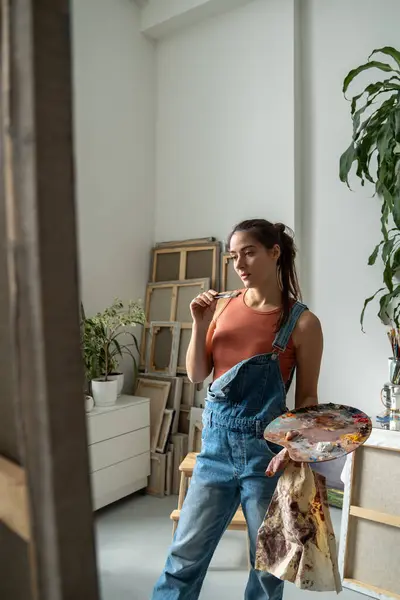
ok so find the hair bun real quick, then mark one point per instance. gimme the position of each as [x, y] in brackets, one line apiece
[280, 227]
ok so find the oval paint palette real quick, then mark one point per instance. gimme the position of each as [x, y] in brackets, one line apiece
[320, 433]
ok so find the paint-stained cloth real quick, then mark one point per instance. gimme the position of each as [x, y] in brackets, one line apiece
[296, 541]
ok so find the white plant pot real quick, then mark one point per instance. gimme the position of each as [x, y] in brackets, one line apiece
[120, 378]
[104, 393]
[89, 403]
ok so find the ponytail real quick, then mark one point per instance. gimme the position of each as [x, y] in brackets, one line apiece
[269, 235]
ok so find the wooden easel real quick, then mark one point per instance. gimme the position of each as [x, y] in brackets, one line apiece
[46, 532]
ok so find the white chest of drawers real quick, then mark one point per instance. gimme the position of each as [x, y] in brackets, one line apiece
[119, 449]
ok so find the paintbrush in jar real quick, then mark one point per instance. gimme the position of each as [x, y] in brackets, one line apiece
[394, 339]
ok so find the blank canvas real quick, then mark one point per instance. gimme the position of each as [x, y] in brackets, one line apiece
[165, 430]
[169, 301]
[370, 484]
[157, 391]
[159, 304]
[184, 420]
[174, 396]
[188, 392]
[169, 470]
[368, 559]
[167, 266]
[185, 295]
[156, 485]
[200, 263]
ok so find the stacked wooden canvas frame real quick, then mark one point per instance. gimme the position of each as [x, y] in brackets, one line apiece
[193, 260]
[171, 400]
[162, 348]
[179, 272]
[167, 310]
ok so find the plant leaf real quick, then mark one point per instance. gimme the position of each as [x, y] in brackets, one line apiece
[373, 128]
[389, 51]
[387, 249]
[373, 257]
[388, 276]
[363, 157]
[367, 301]
[136, 344]
[134, 340]
[384, 218]
[397, 123]
[384, 138]
[396, 208]
[396, 260]
[346, 160]
[373, 91]
[373, 64]
[396, 315]
[385, 302]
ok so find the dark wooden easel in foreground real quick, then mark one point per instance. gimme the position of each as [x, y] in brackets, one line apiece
[46, 529]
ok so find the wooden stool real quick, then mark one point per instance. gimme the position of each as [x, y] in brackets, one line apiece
[186, 467]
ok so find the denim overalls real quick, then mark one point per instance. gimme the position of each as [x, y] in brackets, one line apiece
[229, 471]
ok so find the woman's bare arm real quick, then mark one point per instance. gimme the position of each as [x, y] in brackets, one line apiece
[198, 358]
[308, 341]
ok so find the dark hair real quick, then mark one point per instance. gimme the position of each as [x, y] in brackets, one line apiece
[270, 234]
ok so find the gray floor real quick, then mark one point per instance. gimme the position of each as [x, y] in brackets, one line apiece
[133, 537]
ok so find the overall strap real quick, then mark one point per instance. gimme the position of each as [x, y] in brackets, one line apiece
[283, 335]
[221, 305]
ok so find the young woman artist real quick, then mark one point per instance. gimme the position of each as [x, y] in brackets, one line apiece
[253, 344]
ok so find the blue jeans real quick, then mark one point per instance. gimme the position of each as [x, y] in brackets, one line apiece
[230, 471]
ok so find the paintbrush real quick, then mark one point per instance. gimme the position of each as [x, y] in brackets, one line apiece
[226, 295]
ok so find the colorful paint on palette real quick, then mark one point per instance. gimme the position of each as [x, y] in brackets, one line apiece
[320, 433]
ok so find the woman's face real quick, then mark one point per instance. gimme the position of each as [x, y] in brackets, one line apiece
[255, 265]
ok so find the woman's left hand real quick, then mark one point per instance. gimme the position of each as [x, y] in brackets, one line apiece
[281, 460]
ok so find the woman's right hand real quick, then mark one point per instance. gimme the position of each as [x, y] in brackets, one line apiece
[203, 308]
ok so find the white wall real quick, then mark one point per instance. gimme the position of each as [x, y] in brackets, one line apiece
[114, 84]
[246, 101]
[343, 227]
[160, 18]
[225, 148]
[230, 134]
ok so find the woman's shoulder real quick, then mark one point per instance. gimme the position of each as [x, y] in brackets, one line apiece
[308, 326]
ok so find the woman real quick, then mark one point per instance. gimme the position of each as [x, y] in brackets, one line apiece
[253, 343]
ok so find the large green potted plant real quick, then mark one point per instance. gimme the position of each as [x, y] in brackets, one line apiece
[375, 151]
[103, 348]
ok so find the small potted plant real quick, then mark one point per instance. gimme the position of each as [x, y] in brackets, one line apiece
[89, 402]
[103, 348]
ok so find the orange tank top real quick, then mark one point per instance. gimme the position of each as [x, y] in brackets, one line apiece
[241, 332]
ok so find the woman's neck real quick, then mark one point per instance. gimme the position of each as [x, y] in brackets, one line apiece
[264, 298]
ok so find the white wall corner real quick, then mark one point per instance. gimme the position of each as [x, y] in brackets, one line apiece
[160, 18]
[141, 3]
